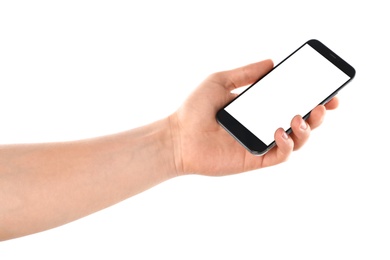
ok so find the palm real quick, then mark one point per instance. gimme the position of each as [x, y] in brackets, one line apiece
[203, 141]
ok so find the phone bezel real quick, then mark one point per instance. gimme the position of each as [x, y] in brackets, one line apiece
[244, 136]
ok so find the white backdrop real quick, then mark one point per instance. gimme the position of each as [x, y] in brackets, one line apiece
[78, 69]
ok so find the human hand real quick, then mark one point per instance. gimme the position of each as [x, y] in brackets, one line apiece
[202, 146]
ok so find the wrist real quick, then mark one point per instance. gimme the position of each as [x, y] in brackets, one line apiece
[174, 128]
[156, 147]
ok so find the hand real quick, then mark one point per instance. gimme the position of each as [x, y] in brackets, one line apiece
[202, 146]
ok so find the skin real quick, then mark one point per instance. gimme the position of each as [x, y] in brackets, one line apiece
[46, 185]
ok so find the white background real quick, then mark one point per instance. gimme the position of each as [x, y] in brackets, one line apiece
[77, 69]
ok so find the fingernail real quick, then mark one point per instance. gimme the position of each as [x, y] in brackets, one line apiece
[303, 125]
[285, 136]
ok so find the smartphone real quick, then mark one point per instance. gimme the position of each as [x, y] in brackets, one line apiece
[308, 77]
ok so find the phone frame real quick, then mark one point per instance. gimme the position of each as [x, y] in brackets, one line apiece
[244, 136]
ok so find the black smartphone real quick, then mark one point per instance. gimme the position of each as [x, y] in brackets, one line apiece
[308, 77]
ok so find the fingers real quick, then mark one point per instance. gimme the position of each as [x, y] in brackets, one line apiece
[332, 104]
[300, 132]
[301, 129]
[316, 117]
[245, 75]
[317, 114]
[282, 150]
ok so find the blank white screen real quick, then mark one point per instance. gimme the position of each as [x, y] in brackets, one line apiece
[295, 87]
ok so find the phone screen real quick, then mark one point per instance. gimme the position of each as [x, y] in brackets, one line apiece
[295, 86]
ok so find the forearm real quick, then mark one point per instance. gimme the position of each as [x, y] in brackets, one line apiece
[46, 185]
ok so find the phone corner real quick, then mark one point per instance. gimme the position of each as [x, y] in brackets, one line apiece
[260, 152]
[313, 41]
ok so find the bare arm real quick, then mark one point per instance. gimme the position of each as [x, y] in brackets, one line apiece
[46, 185]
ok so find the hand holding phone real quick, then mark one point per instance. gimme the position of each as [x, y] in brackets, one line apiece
[202, 146]
[308, 77]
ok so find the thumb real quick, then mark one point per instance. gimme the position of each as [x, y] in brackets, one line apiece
[245, 75]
